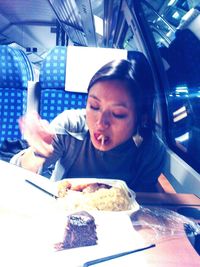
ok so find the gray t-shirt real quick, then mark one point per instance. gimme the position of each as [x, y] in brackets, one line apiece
[139, 166]
[116, 163]
[75, 156]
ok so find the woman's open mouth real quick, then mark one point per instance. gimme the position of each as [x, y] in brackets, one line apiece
[102, 139]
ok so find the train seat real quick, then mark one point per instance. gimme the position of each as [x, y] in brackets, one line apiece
[15, 72]
[53, 97]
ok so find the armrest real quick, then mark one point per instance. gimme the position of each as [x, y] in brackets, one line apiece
[164, 185]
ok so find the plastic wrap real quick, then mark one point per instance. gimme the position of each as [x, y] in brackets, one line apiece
[159, 224]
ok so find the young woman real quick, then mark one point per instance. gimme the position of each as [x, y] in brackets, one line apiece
[112, 138]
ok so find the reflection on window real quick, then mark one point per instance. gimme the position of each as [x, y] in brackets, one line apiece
[175, 27]
[182, 89]
[183, 137]
[179, 114]
[182, 142]
[171, 2]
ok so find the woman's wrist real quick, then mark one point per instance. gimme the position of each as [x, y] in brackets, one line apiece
[36, 154]
[30, 161]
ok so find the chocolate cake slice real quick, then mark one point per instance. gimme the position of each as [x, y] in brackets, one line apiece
[80, 231]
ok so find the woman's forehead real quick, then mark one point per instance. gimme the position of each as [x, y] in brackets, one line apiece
[112, 88]
[111, 85]
[111, 92]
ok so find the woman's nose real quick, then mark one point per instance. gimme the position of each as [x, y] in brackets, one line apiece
[104, 120]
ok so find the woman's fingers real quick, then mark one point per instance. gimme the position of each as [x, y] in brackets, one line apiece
[37, 132]
[46, 132]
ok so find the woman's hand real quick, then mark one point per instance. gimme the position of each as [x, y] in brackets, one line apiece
[38, 134]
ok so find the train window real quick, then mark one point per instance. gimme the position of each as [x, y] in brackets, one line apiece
[175, 28]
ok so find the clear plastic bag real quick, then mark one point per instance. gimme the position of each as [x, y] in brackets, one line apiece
[158, 224]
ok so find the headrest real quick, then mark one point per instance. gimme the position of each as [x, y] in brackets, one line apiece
[14, 71]
[53, 69]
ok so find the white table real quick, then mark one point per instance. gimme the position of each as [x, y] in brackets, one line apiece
[27, 229]
[29, 225]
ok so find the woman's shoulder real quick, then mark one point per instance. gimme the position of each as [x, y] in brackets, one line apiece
[151, 157]
[71, 121]
[71, 114]
[153, 144]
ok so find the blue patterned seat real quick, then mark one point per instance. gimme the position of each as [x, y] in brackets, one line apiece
[54, 98]
[15, 71]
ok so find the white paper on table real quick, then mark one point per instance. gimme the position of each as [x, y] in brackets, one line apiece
[27, 241]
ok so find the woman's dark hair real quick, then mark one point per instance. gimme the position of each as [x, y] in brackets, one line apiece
[137, 75]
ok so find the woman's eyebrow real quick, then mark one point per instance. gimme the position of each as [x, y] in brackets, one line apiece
[93, 96]
[117, 104]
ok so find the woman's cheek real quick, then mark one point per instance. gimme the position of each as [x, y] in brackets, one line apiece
[90, 119]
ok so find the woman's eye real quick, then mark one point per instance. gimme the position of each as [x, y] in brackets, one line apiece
[119, 116]
[94, 107]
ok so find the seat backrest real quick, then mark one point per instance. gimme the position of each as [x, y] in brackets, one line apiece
[54, 98]
[15, 71]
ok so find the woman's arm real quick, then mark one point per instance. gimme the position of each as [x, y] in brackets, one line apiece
[46, 140]
[31, 161]
[39, 136]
